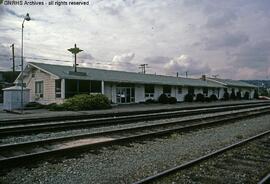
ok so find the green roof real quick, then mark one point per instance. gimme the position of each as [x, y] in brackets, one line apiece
[232, 83]
[66, 72]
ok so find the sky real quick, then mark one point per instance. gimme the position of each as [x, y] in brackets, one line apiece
[212, 37]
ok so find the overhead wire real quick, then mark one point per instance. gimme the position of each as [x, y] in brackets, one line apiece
[103, 62]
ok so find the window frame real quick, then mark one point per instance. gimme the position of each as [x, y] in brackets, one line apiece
[191, 90]
[205, 91]
[149, 91]
[95, 86]
[166, 91]
[58, 92]
[39, 88]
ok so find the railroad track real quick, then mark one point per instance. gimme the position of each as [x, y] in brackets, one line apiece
[87, 123]
[23, 121]
[244, 162]
[16, 154]
[265, 179]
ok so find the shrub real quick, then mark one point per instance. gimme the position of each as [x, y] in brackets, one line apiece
[233, 96]
[207, 99]
[163, 99]
[172, 100]
[213, 97]
[84, 102]
[188, 98]
[148, 101]
[256, 95]
[199, 97]
[238, 95]
[264, 92]
[50, 105]
[246, 96]
[55, 107]
[35, 105]
[226, 96]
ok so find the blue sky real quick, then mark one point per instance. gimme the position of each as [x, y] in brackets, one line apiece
[229, 38]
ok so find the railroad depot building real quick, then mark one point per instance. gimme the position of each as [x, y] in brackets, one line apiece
[53, 83]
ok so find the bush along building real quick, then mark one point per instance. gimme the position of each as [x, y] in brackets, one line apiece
[235, 89]
[55, 83]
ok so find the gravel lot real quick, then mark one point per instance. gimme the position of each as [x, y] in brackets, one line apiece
[35, 137]
[126, 164]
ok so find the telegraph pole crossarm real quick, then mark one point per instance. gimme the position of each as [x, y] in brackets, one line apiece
[75, 51]
[143, 67]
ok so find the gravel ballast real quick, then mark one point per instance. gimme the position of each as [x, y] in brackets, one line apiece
[126, 164]
[48, 135]
[248, 163]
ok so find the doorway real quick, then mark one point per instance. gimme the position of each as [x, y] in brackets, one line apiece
[125, 95]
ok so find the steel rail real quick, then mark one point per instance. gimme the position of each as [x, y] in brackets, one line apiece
[156, 125]
[45, 148]
[56, 126]
[24, 121]
[200, 159]
[265, 180]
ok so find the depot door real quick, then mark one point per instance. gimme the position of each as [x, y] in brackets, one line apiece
[125, 95]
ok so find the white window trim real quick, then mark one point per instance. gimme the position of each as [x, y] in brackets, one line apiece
[38, 94]
[149, 95]
[55, 89]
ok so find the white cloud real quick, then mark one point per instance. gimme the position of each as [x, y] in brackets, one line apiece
[123, 58]
[123, 62]
[184, 63]
[199, 28]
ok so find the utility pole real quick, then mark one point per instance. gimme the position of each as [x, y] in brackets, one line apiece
[26, 18]
[75, 51]
[13, 58]
[143, 67]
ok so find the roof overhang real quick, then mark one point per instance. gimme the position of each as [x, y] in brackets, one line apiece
[212, 80]
[230, 85]
[27, 70]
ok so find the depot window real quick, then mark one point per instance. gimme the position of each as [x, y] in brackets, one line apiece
[74, 87]
[167, 90]
[58, 88]
[191, 90]
[39, 89]
[205, 91]
[95, 86]
[149, 90]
